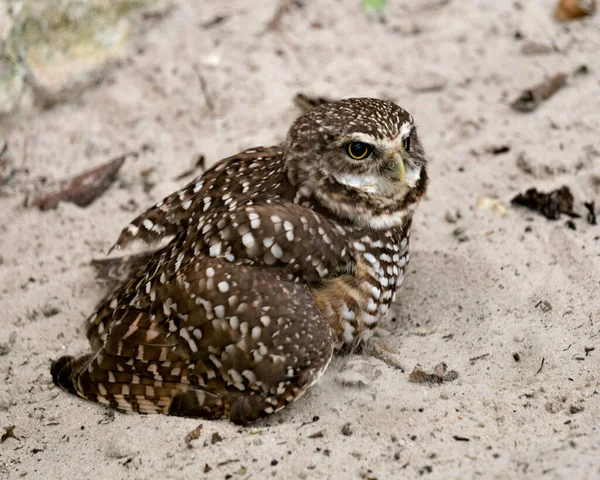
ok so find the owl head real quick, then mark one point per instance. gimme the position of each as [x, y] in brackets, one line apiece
[360, 159]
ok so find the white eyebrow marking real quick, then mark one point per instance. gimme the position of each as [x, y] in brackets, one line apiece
[405, 129]
[357, 137]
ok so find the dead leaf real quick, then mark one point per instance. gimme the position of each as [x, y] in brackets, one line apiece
[550, 204]
[440, 375]
[85, 187]
[193, 435]
[9, 432]
[572, 9]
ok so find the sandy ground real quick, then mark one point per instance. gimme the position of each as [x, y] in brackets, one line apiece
[526, 402]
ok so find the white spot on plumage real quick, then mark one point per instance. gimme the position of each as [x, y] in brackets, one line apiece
[244, 328]
[215, 249]
[276, 251]
[369, 257]
[256, 331]
[248, 240]
[348, 331]
[369, 319]
[268, 241]
[359, 246]
[347, 314]
[249, 374]
[371, 306]
[148, 224]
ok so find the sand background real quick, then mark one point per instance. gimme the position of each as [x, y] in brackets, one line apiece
[473, 304]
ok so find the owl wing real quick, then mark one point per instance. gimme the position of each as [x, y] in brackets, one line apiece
[214, 340]
[211, 190]
[303, 244]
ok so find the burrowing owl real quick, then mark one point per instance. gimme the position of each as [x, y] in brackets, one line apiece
[279, 257]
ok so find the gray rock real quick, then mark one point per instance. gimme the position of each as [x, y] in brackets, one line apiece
[52, 51]
[427, 81]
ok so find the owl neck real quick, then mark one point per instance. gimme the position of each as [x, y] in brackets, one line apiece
[353, 207]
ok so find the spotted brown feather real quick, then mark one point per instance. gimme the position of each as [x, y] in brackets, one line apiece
[279, 257]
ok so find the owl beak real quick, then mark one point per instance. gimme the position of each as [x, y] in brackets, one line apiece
[401, 169]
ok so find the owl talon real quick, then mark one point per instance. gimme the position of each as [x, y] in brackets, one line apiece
[383, 351]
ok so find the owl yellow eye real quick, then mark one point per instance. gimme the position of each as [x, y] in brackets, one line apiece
[358, 150]
[406, 144]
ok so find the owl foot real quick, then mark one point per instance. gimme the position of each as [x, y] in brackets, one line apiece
[383, 351]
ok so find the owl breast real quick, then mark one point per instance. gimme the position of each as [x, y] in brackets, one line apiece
[355, 303]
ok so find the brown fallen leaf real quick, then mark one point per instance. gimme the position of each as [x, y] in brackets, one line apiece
[572, 9]
[9, 432]
[193, 435]
[84, 188]
[531, 98]
[306, 102]
[283, 9]
[440, 375]
[550, 204]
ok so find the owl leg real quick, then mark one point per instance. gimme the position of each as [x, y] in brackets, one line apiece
[383, 351]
